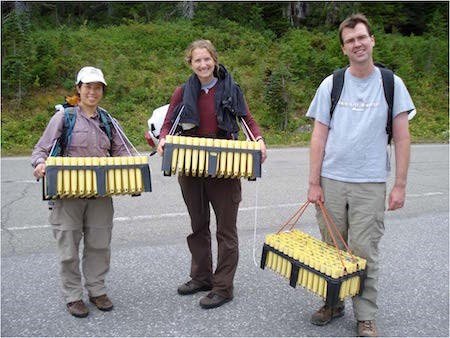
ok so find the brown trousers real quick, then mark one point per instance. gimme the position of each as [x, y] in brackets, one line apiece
[224, 196]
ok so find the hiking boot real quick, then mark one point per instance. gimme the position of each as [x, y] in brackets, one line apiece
[367, 328]
[212, 300]
[78, 309]
[102, 302]
[326, 314]
[192, 287]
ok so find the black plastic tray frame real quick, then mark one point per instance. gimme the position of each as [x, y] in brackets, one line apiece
[51, 174]
[213, 154]
[333, 284]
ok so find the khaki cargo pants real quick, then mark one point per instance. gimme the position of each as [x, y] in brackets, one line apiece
[92, 221]
[357, 209]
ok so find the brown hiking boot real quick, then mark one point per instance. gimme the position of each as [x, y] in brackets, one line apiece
[78, 309]
[192, 287]
[326, 314]
[102, 302]
[367, 328]
[213, 300]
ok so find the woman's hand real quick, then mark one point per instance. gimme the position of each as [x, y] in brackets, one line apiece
[263, 150]
[39, 171]
[160, 148]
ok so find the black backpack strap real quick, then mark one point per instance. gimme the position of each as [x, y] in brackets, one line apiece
[105, 122]
[388, 85]
[65, 139]
[338, 84]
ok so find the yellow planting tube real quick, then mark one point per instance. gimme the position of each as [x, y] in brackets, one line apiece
[216, 154]
[209, 144]
[339, 272]
[66, 177]
[243, 166]
[175, 140]
[289, 264]
[276, 258]
[236, 159]
[181, 153]
[131, 175]
[88, 176]
[323, 269]
[81, 178]
[305, 276]
[300, 270]
[73, 191]
[195, 152]
[230, 157]
[111, 177]
[59, 177]
[201, 157]
[125, 175]
[188, 160]
[329, 272]
[95, 162]
[350, 270]
[117, 176]
[250, 145]
[315, 286]
[269, 254]
[222, 158]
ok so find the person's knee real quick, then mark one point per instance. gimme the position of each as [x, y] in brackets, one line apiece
[98, 238]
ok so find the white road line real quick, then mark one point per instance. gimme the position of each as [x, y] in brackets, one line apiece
[23, 181]
[425, 194]
[182, 214]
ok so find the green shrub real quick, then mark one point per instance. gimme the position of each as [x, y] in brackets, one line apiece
[144, 63]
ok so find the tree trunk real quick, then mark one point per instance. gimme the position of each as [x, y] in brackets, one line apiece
[187, 9]
[297, 11]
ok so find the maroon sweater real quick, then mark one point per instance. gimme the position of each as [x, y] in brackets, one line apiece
[208, 121]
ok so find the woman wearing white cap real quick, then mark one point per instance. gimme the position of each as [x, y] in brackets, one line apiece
[75, 218]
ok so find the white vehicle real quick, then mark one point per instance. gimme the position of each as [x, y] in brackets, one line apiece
[155, 123]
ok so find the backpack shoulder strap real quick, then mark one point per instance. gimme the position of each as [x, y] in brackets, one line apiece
[387, 76]
[105, 122]
[70, 117]
[338, 84]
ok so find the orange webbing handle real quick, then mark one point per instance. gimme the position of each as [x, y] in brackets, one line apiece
[297, 214]
[328, 221]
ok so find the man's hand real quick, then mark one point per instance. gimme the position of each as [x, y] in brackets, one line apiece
[315, 193]
[397, 198]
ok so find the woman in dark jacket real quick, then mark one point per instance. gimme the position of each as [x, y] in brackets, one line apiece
[210, 101]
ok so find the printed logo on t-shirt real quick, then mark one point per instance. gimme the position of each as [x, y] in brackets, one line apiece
[358, 106]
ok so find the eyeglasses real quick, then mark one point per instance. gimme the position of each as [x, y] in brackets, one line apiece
[361, 38]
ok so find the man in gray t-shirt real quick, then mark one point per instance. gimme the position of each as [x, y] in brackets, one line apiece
[349, 162]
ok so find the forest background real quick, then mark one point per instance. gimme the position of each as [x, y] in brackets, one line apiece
[278, 52]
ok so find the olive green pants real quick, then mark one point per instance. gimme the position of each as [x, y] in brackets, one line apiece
[357, 209]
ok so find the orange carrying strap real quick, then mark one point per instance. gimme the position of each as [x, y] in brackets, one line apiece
[293, 220]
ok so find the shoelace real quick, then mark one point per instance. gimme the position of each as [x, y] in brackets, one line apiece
[324, 308]
[368, 324]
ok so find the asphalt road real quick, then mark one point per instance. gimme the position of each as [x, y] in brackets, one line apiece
[150, 259]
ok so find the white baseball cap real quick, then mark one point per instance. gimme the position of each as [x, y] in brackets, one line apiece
[90, 74]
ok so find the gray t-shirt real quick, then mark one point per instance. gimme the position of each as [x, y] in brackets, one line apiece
[356, 148]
